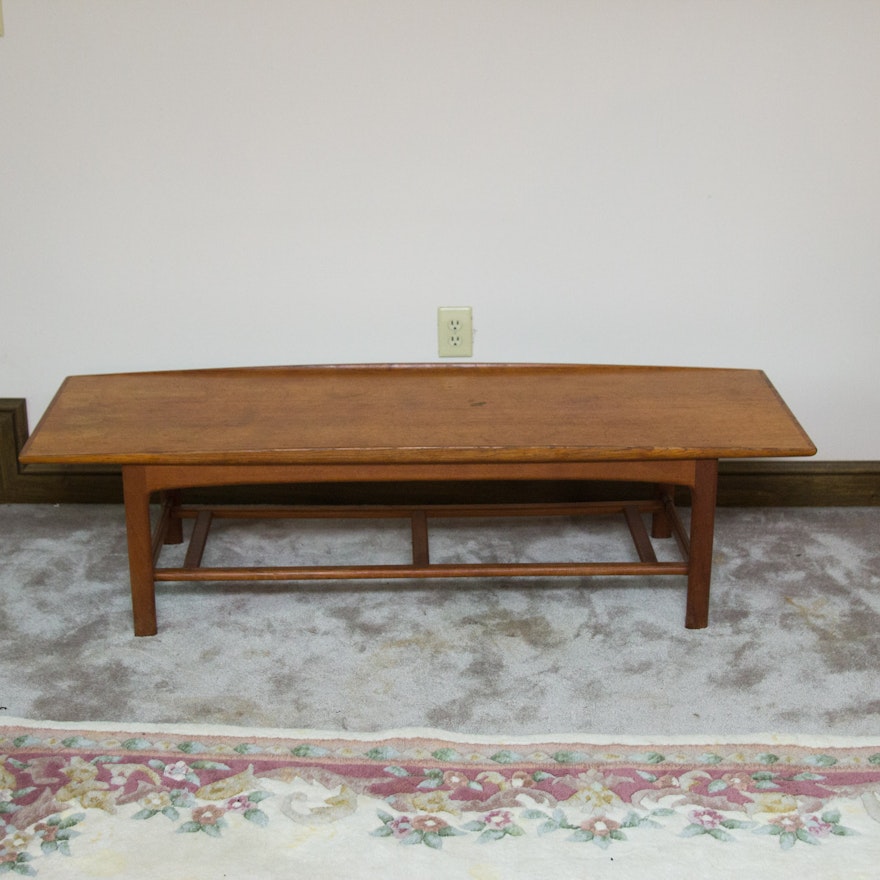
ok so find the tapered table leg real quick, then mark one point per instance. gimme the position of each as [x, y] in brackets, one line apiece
[661, 527]
[140, 550]
[174, 530]
[703, 495]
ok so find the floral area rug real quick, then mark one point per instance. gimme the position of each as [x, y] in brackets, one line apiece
[81, 800]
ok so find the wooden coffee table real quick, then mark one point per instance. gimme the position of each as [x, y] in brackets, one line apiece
[382, 423]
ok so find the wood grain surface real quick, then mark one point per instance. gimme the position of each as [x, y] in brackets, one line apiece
[415, 413]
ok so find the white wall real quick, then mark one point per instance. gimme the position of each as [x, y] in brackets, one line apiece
[233, 182]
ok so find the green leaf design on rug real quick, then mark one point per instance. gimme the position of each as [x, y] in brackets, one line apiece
[570, 757]
[19, 864]
[433, 780]
[55, 834]
[717, 833]
[449, 754]
[649, 758]
[307, 750]
[382, 753]
[821, 760]
[208, 819]
[505, 756]
[78, 742]
[258, 817]
[764, 780]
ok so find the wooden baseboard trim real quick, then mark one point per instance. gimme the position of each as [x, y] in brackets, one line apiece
[801, 483]
[36, 484]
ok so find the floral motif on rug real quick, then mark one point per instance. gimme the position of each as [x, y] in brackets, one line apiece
[76, 801]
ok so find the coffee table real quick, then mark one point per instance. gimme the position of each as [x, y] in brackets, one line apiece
[174, 430]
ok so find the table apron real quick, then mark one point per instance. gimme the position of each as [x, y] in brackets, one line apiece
[680, 472]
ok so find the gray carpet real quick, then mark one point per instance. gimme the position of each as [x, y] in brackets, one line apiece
[792, 644]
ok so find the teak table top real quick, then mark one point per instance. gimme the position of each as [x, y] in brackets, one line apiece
[415, 413]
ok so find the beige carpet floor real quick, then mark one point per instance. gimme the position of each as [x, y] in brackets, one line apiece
[792, 644]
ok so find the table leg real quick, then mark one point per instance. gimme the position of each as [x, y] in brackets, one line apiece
[661, 527]
[174, 531]
[703, 496]
[140, 550]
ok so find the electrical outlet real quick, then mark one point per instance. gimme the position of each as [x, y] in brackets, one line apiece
[455, 331]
